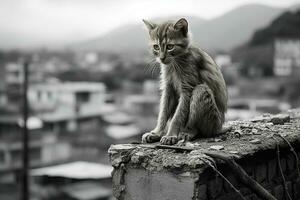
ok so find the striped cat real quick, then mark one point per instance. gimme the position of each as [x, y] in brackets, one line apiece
[194, 96]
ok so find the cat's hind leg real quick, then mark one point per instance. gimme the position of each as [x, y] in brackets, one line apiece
[204, 115]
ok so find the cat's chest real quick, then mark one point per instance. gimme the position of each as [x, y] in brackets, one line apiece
[176, 82]
[171, 77]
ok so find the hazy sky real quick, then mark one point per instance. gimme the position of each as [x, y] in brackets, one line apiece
[62, 20]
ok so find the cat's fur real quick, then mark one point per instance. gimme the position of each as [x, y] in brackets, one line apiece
[194, 96]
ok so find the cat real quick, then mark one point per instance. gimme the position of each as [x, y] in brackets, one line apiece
[193, 91]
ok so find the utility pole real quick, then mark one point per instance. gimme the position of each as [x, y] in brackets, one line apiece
[25, 136]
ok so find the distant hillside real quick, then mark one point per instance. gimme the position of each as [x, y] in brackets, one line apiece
[221, 33]
[257, 54]
[286, 25]
[132, 37]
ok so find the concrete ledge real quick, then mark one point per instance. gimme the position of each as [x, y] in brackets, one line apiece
[149, 171]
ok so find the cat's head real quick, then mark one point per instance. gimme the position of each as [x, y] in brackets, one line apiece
[168, 40]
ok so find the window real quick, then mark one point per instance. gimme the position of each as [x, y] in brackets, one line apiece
[38, 95]
[16, 156]
[49, 95]
[35, 153]
[82, 97]
[2, 156]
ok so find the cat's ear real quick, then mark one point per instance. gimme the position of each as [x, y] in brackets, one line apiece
[182, 25]
[149, 25]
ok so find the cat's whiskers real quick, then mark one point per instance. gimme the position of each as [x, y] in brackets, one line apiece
[152, 66]
[176, 65]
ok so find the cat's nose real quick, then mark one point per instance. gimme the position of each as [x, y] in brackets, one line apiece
[162, 58]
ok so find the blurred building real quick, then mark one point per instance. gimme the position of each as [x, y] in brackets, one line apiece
[141, 104]
[15, 73]
[75, 95]
[61, 108]
[151, 87]
[14, 78]
[246, 108]
[70, 106]
[286, 56]
[72, 181]
[3, 96]
[121, 127]
[223, 60]
[44, 146]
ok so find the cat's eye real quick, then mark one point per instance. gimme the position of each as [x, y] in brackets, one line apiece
[170, 46]
[156, 47]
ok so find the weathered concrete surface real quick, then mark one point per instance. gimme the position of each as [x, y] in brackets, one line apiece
[147, 185]
[245, 138]
[146, 171]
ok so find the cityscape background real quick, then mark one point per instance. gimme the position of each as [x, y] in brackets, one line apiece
[91, 83]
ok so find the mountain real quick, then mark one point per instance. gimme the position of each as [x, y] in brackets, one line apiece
[221, 33]
[133, 37]
[258, 53]
[286, 25]
[235, 27]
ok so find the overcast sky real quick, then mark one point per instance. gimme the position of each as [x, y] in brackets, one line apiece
[56, 20]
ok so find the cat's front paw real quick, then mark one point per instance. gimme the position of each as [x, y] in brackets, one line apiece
[187, 136]
[150, 137]
[169, 140]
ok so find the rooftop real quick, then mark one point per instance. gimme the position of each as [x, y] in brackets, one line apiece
[118, 118]
[65, 113]
[87, 191]
[122, 131]
[75, 170]
[70, 86]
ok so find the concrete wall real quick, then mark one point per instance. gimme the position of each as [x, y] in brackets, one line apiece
[264, 171]
[153, 172]
[141, 184]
